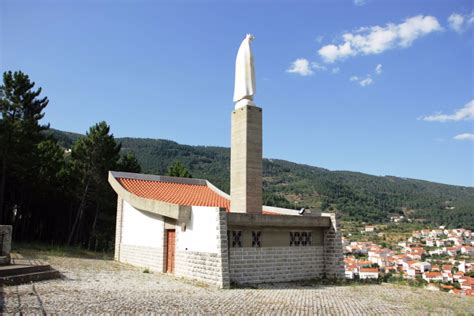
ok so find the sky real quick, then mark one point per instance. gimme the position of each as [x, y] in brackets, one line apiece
[375, 86]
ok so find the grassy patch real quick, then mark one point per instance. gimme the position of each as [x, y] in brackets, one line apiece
[42, 251]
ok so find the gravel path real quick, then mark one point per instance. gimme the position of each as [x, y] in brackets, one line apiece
[101, 286]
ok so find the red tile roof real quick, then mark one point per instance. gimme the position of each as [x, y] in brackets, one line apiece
[178, 193]
[175, 193]
[433, 274]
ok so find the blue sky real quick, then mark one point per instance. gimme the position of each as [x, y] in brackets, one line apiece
[166, 70]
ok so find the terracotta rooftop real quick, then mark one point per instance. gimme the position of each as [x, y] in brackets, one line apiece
[173, 190]
[175, 193]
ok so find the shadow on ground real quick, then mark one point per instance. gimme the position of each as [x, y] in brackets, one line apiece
[307, 284]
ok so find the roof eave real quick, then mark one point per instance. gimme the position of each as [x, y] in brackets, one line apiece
[175, 211]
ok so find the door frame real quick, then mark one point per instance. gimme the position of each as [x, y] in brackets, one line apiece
[170, 268]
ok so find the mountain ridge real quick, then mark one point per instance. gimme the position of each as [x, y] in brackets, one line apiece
[354, 195]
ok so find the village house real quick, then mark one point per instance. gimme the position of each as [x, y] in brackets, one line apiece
[447, 268]
[422, 266]
[447, 277]
[469, 292]
[433, 276]
[351, 269]
[467, 283]
[457, 275]
[467, 250]
[368, 273]
[369, 229]
[410, 273]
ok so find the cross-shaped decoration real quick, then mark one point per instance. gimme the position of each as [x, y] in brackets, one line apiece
[236, 238]
[256, 239]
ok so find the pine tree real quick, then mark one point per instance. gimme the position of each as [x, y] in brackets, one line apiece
[177, 169]
[20, 132]
[91, 159]
[129, 163]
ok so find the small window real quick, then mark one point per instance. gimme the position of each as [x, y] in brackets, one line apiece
[236, 238]
[300, 239]
[303, 238]
[256, 239]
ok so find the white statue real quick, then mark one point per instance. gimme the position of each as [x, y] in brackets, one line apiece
[244, 74]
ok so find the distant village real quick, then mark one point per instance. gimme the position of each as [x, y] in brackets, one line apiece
[438, 259]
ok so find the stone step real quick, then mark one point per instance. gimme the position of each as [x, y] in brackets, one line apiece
[4, 260]
[17, 269]
[29, 277]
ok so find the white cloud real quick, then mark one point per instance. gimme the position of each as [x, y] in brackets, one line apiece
[367, 81]
[363, 82]
[378, 69]
[377, 39]
[331, 53]
[459, 22]
[335, 70]
[300, 66]
[360, 2]
[456, 22]
[464, 113]
[465, 136]
[319, 38]
[318, 67]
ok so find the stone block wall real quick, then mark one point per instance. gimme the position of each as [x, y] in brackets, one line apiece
[142, 256]
[6, 239]
[333, 250]
[200, 266]
[275, 264]
[211, 268]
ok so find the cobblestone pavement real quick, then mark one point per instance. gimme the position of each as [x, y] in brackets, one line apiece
[100, 286]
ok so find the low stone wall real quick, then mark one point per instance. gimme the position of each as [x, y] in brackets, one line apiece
[202, 266]
[275, 264]
[6, 239]
[146, 257]
[208, 267]
[333, 250]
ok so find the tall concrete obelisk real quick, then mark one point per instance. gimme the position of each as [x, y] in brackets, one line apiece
[246, 143]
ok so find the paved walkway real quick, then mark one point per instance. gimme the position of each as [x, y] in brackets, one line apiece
[99, 286]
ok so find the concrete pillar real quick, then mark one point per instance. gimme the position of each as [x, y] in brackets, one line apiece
[246, 160]
[118, 228]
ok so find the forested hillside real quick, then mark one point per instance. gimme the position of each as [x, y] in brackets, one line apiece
[356, 196]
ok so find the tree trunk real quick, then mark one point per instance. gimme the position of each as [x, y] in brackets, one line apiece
[94, 225]
[2, 189]
[79, 213]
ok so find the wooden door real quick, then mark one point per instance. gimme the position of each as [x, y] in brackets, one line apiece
[170, 249]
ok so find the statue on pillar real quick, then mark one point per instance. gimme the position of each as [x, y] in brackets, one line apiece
[244, 89]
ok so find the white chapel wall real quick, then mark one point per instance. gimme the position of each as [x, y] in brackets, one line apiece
[142, 239]
[201, 229]
[141, 228]
[200, 247]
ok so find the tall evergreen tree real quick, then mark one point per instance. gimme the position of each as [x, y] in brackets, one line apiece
[177, 169]
[20, 131]
[129, 163]
[92, 157]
